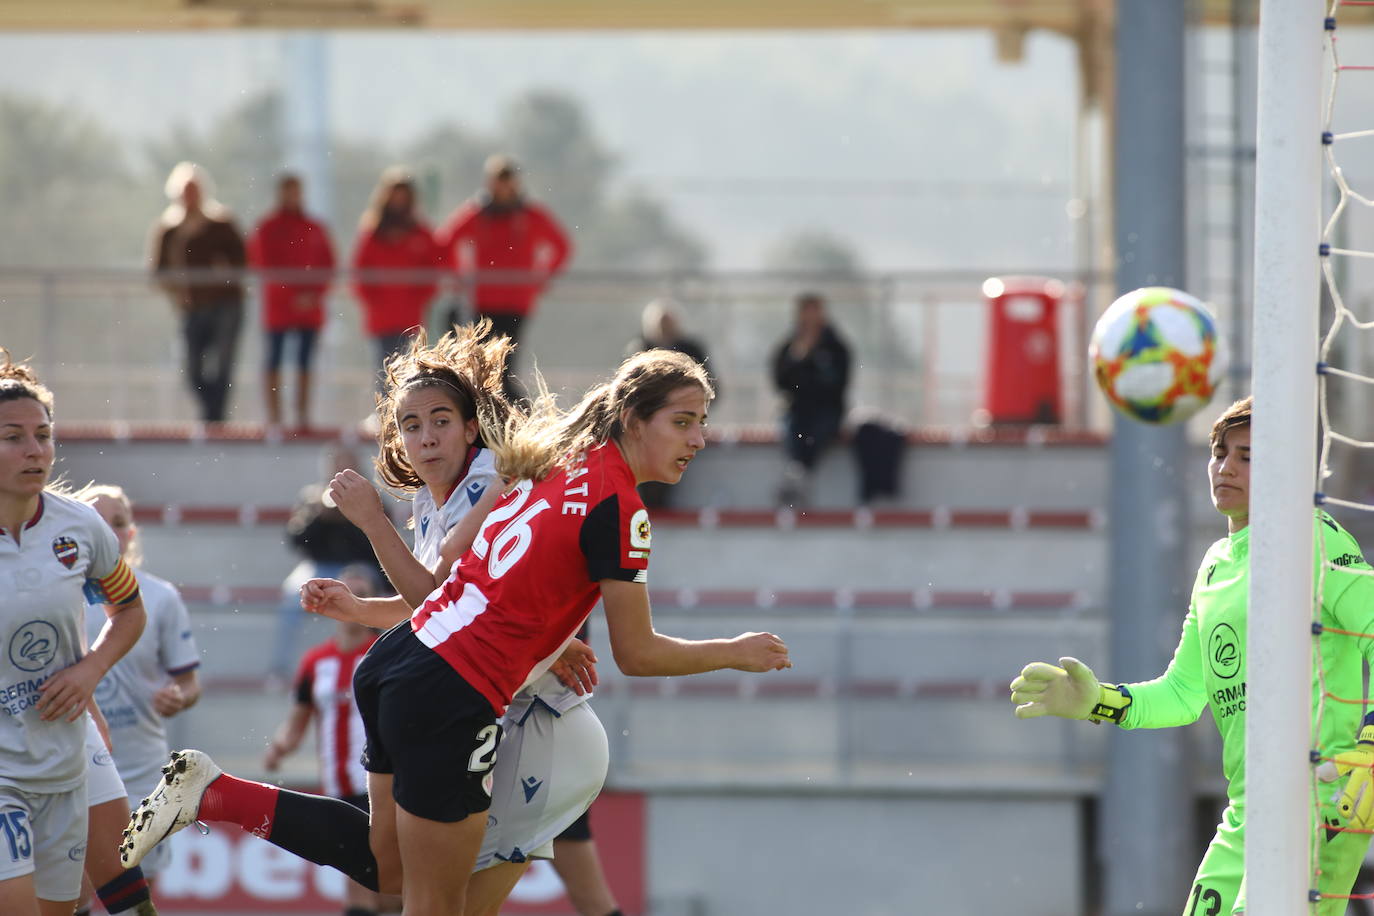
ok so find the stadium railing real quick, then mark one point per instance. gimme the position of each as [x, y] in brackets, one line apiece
[106, 339]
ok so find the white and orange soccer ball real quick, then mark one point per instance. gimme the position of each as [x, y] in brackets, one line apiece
[1157, 355]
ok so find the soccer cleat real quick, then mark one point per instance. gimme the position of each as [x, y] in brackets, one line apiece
[171, 806]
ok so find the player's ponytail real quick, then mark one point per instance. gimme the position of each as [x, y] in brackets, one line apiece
[17, 381]
[548, 438]
[468, 364]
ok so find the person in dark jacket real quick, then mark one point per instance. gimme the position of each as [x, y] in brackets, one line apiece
[811, 369]
[194, 240]
[327, 542]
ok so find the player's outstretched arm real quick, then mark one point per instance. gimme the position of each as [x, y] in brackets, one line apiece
[360, 503]
[1069, 690]
[641, 651]
[331, 598]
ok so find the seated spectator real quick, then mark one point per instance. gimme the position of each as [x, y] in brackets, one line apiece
[661, 329]
[288, 240]
[194, 236]
[811, 370]
[327, 542]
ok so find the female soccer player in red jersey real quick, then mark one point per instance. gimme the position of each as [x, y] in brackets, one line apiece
[553, 741]
[54, 552]
[571, 532]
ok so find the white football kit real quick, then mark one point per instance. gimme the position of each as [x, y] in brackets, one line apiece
[553, 757]
[125, 696]
[47, 569]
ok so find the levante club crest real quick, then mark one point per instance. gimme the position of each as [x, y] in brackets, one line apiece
[65, 549]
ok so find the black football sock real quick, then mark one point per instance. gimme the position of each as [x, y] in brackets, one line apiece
[325, 831]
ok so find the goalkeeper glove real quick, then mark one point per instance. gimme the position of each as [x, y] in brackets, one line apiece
[1070, 692]
[1356, 802]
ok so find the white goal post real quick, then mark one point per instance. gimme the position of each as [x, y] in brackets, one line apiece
[1288, 182]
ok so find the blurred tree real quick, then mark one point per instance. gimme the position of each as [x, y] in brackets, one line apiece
[565, 164]
[54, 165]
[447, 160]
[243, 151]
[69, 195]
[636, 232]
[810, 251]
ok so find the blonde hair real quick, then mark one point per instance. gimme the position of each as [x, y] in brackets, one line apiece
[182, 174]
[93, 491]
[18, 380]
[468, 364]
[550, 438]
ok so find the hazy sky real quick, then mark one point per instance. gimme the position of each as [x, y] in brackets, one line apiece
[918, 148]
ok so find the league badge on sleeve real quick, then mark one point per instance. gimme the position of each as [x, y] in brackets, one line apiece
[65, 549]
[639, 535]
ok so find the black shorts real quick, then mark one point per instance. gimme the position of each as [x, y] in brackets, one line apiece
[580, 829]
[357, 801]
[426, 727]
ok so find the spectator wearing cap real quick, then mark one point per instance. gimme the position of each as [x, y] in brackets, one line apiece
[513, 245]
[294, 245]
[197, 254]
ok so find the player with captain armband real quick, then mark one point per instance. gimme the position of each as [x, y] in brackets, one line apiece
[1209, 670]
[55, 551]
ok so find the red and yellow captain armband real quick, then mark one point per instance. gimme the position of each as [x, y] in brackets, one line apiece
[120, 586]
[1111, 705]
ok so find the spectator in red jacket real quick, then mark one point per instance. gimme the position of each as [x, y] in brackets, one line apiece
[392, 235]
[292, 304]
[512, 244]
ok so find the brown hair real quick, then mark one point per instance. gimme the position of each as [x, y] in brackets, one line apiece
[393, 177]
[1233, 417]
[534, 446]
[17, 381]
[467, 364]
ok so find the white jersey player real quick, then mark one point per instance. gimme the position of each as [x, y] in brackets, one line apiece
[54, 551]
[157, 679]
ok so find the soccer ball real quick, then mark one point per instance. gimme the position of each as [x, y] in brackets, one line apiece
[1156, 355]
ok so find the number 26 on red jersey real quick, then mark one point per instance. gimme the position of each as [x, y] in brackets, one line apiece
[510, 543]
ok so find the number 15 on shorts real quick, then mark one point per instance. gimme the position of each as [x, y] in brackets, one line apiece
[12, 824]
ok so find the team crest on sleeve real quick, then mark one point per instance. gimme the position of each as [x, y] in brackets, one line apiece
[66, 551]
[639, 534]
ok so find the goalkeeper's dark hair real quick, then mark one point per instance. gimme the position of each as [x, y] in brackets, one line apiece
[1233, 417]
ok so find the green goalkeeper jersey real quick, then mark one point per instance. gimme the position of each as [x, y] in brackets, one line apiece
[1209, 664]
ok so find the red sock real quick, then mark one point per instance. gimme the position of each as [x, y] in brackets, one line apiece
[251, 805]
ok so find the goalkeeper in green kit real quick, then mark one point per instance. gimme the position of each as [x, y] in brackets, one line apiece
[1208, 669]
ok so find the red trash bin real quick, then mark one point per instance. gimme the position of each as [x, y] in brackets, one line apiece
[1021, 384]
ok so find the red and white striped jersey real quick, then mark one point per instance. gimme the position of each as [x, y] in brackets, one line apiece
[534, 574]
[324, 682]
